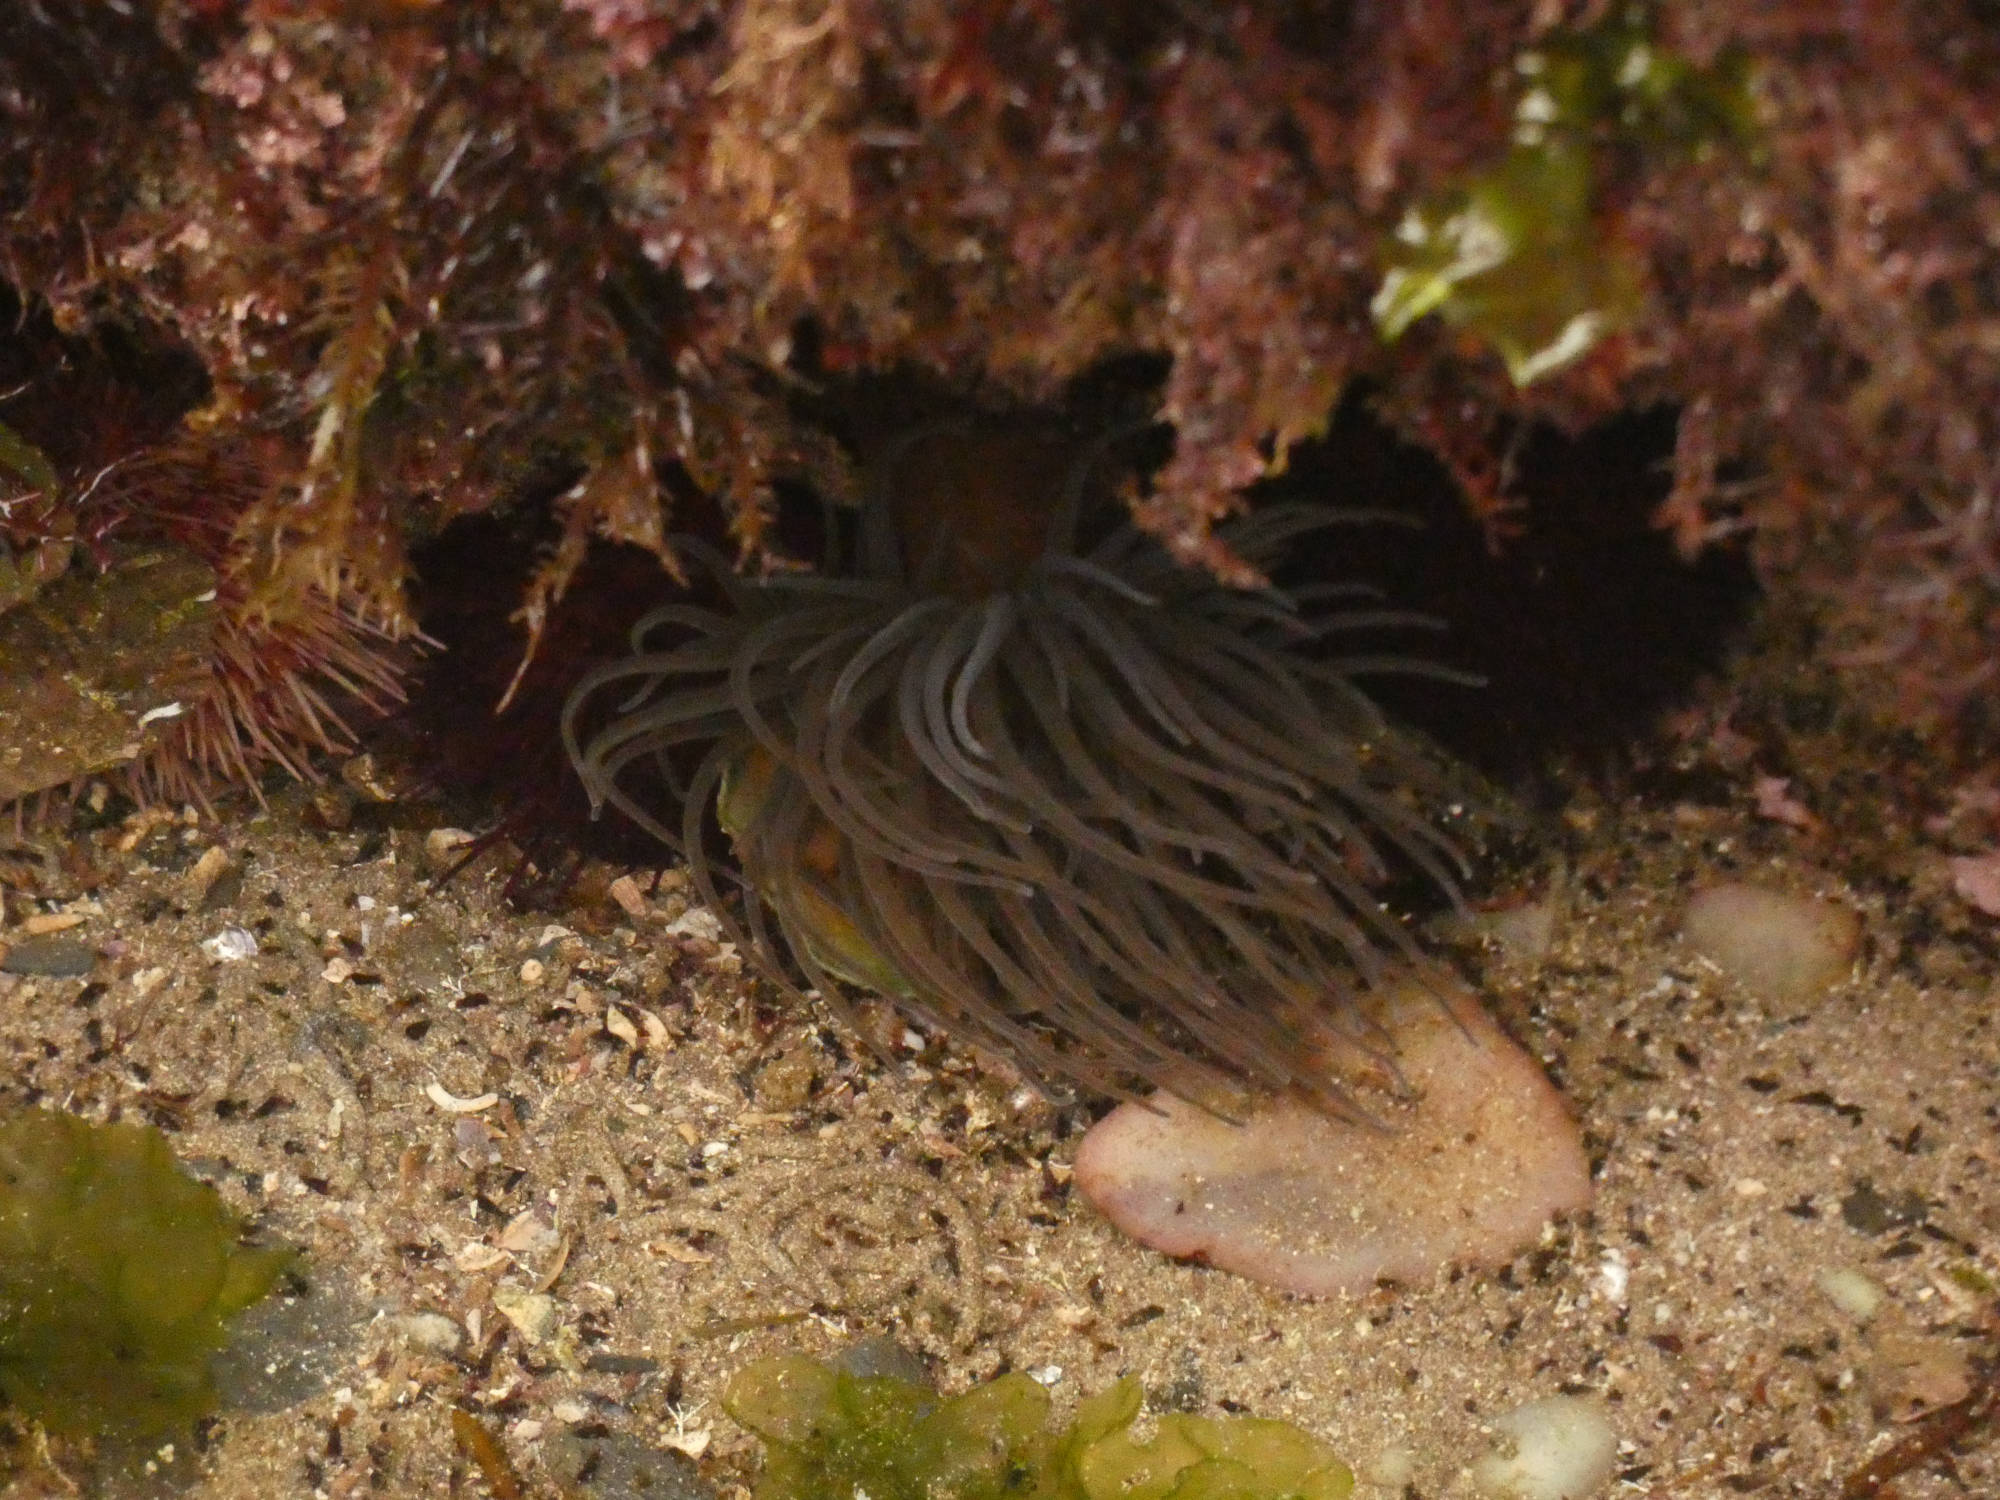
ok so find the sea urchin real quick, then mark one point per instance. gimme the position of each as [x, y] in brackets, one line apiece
[1070, 800]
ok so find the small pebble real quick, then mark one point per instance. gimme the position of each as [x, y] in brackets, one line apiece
[533, 1313]
[430, 1333]
[620, 1025]
[333, 808]
[696, 922]
[1850, 1291]
[1780, 946]
[785, 1083]
[42, 923]
[625, 891]
[1559, 1448]
[474, 1142]
[443, 847]
[49, 958]
[365, 776]
[1523, 932]
[208, 870]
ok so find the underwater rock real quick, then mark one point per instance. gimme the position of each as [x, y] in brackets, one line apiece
[1780, 946]
[92, 674]
[1466, 1170]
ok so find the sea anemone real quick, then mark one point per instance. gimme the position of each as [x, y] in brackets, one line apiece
[1004, 761]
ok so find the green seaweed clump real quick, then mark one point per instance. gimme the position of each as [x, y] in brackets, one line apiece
[1514, 252]
[832, 1435]
[118, 1273]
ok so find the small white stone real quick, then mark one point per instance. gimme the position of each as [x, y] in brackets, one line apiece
[1559, 1448]
[1613, 1276]
[1850, 1291]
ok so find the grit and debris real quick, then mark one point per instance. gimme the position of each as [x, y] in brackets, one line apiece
[567, 1171]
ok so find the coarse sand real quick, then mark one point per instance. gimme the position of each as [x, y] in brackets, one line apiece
[568, 1170]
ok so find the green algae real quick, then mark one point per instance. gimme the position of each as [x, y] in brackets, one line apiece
[118, 1275]
[1518, 252]
[831, 1435]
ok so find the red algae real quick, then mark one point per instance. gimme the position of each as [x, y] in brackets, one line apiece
[434, 256]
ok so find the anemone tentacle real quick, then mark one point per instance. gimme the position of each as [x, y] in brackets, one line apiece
[1104, 817]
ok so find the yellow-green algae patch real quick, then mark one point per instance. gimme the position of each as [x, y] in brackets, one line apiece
[118, 1275]
[1516, 252]
[832, 1435]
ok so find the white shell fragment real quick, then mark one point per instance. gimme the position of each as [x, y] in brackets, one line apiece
[696, 922]
[444, 1099]
[1559, 1448]
[231, 945]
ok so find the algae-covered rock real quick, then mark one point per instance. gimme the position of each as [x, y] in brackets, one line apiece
[102, 665]
[118, 1274]
[832, 1435]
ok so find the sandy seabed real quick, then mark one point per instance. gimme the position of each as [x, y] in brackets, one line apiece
[585, 1140]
